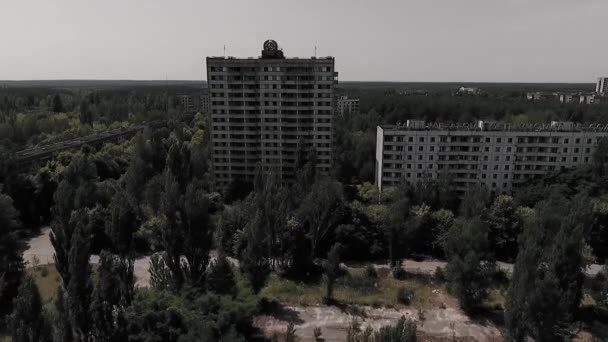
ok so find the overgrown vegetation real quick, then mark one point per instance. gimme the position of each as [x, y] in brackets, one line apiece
[154, 195]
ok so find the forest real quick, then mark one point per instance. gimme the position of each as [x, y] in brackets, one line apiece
[221, 256]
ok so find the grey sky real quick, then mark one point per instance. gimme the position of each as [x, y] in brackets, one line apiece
[380, 40]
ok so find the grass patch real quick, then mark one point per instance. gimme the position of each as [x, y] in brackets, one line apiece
[354, 288]
[496, 298]
[47, 279]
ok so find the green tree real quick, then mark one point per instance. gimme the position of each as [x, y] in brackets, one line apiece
[546, 285]
[396, 226]
[255, 262]
[475, 201]
[114, 291]
[27, 323]
[57, 104]
[331, 268]
[85, 113]
[504, 226]
[186, 233]
[11, 263]
[470, 262]
[221, 277]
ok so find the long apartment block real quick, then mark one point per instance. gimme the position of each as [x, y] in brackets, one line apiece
[264, 109]
[497, 155]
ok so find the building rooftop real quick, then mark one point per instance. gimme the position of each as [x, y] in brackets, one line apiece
[270, 50]
[553, 126]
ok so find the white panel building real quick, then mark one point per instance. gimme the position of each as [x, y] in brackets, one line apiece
[498, 155]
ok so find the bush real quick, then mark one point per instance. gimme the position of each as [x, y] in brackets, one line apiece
[357, 281]
[399, 273]
[370, 271]
[438, 275]
[405, 295]
[317, 334]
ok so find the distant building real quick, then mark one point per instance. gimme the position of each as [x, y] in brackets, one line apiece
[195, 103]
[345, 105]
[264, 110]
[539, 96]
[579, 98]
[497, 155]
[204, 101]
[469, 91]
[589, 99]
[567, 98]
[601, 87]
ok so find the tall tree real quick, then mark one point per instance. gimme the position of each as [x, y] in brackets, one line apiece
[27, 323]
[11, 263]
[57, 104]
[504, 227]
[395, 223]
[186, 233]
[114, 291]
[320, 210]
[545, 289]
[470, 262]
[331, 266]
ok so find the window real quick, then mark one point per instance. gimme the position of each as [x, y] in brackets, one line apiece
[421, 139]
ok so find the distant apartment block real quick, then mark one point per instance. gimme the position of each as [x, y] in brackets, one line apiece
[263, 109]
[469, 91]
[205, 103]
[579, 98]
[601, 87]
[540, 95]
[346, 105]
[195, 103]
[497, 155]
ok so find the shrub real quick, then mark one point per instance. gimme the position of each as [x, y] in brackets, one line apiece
[399, 273]
[405, 295]
[317, 334]
[438, 275]
[357, 281]
[370, 271]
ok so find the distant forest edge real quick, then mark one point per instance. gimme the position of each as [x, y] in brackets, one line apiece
[429, 86]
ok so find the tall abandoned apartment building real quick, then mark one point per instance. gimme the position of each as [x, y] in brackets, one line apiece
[497, 155]
[264, 109]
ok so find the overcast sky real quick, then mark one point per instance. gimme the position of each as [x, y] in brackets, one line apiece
[379, 40]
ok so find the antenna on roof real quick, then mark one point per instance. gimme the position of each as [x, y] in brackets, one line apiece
[315, 51]
[224, 50]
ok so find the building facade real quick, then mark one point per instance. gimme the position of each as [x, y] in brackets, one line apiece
[602, 86]
[264, 110]
[497, 155]
[345, 105]
[579, 98]
[195, 103]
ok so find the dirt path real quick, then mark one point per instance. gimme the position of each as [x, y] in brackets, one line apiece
[334, 322]
[41, 250]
